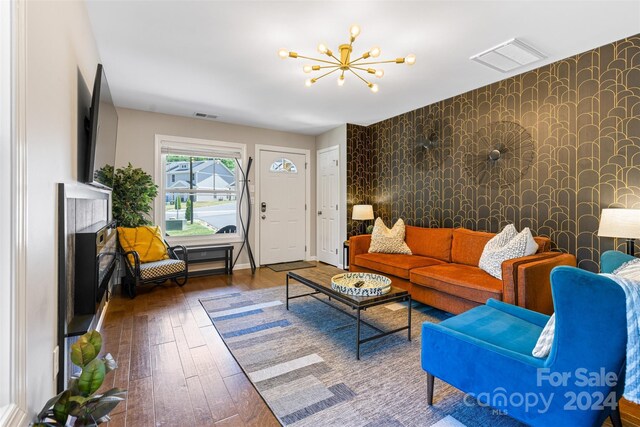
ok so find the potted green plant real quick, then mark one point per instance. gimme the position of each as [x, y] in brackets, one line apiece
[133, 194]
[78, 406]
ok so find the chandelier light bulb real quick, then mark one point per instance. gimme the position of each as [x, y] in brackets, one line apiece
[379, 73]
[283, 53]
[373, 87]
[374, 52]
[354, 30]
[322, 48]
[341, 81]
[308, 83]
[307, 68]
[410, 59]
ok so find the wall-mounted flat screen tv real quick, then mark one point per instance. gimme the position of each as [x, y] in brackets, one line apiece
[103, 131]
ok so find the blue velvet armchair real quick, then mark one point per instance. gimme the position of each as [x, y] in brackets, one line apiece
[486, 352]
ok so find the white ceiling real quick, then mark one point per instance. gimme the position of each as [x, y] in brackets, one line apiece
[220, 57]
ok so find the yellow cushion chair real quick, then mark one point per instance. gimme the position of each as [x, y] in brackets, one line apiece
[150, 259]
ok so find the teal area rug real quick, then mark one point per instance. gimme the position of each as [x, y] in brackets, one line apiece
[302, 362]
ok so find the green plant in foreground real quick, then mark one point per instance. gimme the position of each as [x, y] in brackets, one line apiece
[77, 405]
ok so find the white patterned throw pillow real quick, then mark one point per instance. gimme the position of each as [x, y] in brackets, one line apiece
[543, 346]
[488, 261]
[388, 241]
[507, 244]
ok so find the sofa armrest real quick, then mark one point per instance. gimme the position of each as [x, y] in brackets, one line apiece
[358, 245]
[534, 283]
[510, 274]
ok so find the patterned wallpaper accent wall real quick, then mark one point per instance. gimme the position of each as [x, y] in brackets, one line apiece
[583, 114]
[359, 173]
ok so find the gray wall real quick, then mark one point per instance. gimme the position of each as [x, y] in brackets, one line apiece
[59, 45]
[136, 140]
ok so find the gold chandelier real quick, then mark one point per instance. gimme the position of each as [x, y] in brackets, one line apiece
[344, 63]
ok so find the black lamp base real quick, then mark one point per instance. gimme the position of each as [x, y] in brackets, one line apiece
[631, 247]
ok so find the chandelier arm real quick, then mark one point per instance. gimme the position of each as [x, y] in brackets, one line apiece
[356, 60]
[380, 62]
[359, 68]
[334, 57]
[330, 66]
[358, 76]
[319, 60]
[326, 74]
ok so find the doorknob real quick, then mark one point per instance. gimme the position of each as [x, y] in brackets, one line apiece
[263, 217]
[319, 212]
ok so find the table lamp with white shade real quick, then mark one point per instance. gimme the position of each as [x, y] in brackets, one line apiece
[622, 223]
[362, 213]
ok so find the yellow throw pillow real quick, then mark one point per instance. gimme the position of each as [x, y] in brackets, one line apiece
[146, 240]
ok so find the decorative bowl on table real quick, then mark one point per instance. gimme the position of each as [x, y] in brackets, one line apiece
[361, 284]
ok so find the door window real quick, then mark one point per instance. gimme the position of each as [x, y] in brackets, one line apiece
[283, 165]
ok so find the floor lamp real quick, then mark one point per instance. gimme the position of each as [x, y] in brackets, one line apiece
[622, 223]
[362, 213]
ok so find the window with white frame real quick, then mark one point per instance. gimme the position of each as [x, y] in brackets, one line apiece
[199, 189]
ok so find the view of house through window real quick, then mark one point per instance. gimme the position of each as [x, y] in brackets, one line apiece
[200, 195]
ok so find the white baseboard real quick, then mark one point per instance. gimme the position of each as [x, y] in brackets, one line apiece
[102, 316]
[246, 265]
[242, 266]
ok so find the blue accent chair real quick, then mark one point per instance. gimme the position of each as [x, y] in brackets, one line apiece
[486, 352]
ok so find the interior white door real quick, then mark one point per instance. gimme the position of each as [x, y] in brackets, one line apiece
[328, 206]
[281, 207]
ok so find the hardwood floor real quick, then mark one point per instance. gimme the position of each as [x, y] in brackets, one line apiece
[173, 362]
[175, 365]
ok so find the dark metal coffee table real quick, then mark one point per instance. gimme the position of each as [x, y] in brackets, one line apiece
[319, 279]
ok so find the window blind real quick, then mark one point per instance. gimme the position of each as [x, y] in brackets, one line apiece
[203, 152]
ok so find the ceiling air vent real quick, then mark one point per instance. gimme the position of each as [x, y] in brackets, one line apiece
[205, 116]
[508, 56]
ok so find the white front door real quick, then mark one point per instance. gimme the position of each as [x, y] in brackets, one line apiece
[328, 205]
[281, 207]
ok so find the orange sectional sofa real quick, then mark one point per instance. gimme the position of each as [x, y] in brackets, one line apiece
[443, 270]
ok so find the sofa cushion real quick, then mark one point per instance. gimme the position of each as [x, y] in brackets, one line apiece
[395, 264]
[464, 281]
[165, 267]
[544, 244]
[430, 242]
[467, 246]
